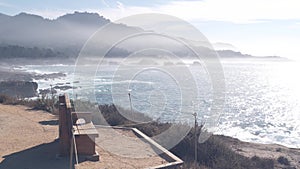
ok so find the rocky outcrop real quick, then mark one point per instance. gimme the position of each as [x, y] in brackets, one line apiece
[49, 76]
[18, 88]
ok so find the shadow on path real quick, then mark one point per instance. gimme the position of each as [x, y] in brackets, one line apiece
[49, 122]
[43, 156]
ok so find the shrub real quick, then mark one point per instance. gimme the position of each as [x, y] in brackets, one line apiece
[262, 163]
[283, 160]
[42, 103]
[4, 99]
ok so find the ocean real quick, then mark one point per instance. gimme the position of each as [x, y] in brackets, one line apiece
[262, 97]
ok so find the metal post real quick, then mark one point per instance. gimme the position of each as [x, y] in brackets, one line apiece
[51, 90]
[195, 136]
[52, 98]
[130, 104]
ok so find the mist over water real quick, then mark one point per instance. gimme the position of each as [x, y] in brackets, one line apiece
[262, 97]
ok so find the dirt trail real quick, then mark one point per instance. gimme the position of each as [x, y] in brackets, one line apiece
[21, 128]
[28, 139]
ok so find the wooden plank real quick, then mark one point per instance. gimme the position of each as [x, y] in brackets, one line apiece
[64, 126]
[85, 129]
[68, 103]
[177, 161]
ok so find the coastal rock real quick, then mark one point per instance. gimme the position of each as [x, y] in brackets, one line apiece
[18, 88]
[49, 76]
[47, 91]
[63, 88]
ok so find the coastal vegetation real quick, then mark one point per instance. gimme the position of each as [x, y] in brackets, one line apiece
[212, 154]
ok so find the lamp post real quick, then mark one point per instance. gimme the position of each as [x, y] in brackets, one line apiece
[129, 96]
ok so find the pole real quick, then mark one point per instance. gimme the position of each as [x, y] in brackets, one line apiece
[52, 98]
[51, 90]
[195, 136]
[130, 104]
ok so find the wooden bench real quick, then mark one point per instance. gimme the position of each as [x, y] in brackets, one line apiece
[84, 133]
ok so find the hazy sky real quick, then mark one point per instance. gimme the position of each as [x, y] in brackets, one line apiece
[257, 27]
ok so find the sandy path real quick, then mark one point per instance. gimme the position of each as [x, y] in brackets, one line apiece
[120, 148]
[26, 135]
[19, 126]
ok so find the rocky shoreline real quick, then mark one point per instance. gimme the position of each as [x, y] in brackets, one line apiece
[21, 84]
[18, 88]
[284, 157]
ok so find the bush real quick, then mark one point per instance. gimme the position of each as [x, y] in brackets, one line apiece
[216, 155]
[262, 163]
[283, 160]
[42, 103]
[4, 99]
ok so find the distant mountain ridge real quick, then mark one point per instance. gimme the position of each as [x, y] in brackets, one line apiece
[67, 34]
[84, 18]
[67, 31]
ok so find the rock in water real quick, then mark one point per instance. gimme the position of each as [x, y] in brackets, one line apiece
[18, 88]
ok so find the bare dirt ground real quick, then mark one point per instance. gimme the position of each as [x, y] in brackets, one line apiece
[28, 139]
[20, 128]
[119, 148]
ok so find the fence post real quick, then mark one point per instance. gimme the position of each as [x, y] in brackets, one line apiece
[65, 125]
